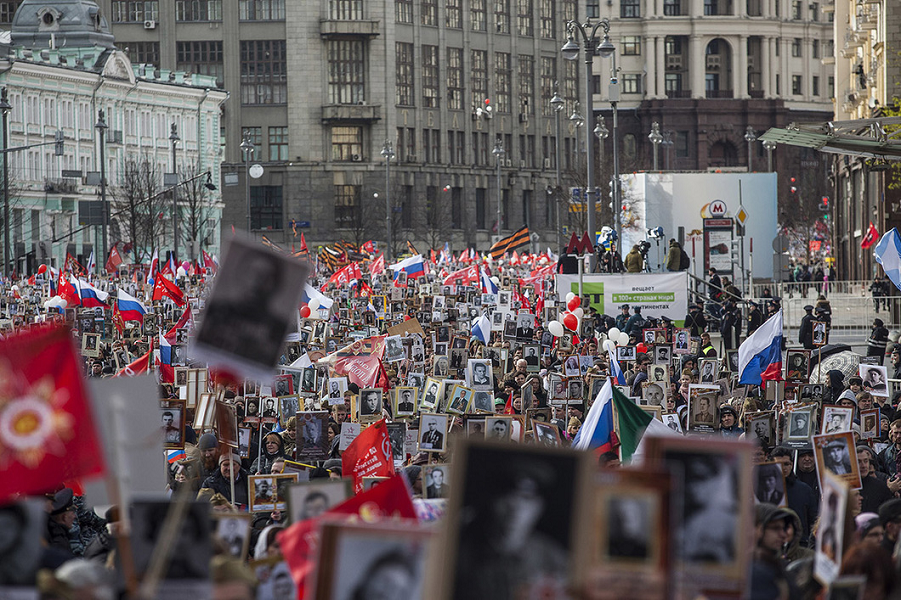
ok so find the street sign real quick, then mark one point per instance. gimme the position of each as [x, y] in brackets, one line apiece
[780, 244]
[741, 216]
[90, 212]
[230, 179]
[576, 194]
[717, 209]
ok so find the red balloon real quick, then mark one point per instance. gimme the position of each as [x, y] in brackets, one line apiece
[570, 321]
[407, 317]
[305, 312]
[42, 269]
[575, 303]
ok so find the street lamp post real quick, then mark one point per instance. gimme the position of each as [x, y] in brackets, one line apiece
[498, 152]
[101, 127]
[388, 153]
[606, 48]
[173, 137]
[5, 107]
[750, 137]
[769, 146]
[601, 132]
[557, 105]
[577, 122]
[247, 146]
[667, 149]
[656, 139]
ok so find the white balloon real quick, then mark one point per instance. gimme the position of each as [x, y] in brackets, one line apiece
[579, 312]
[180, 272]
[609, 346]
[623, 338]
[613, 333]
[313, 304]
[556, 328]
[496, 280]
[569, 297]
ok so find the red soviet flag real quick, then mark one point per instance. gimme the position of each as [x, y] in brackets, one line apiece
[369, 455]
[47, 433]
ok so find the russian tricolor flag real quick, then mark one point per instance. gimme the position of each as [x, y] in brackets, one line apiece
[760, 356]
[488, 286]
[597, 432]
[90, 296]
[130, 308]
[615, 370]
[309, 292]
[167, 373]
[481, 329]
[413, 266]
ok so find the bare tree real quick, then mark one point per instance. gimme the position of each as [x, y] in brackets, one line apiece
[138, 205]
[195, 207]
[432, 219]
[358, 223]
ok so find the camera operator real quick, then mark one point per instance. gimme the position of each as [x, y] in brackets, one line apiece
[634, 260]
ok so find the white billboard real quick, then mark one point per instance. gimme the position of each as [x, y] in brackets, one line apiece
[673, 200]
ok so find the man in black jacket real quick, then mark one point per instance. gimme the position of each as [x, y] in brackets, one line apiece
[220, 480]
[755, 318]
[695, 320]
[805, 333]
[801, 499]
[878, 340]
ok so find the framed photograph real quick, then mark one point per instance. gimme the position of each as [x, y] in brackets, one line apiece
[875, 379]
[397, 432]
[308, 380]
[256, 291]
[431, 395]
[499, 429]
[440, 365]
[597, 382]
[682, 341]
[819, 333]
[541, 415]
[836, 419]
[525, 326]
[662, 354]
[460, 400]
[571, 366]
[797, 367]
[482, 402]
[731, 361]
[575, 390]
[672, 421]
[370, 405]
[769, 484]
[310, 499]
[244, 435]
[830, 540]
[312, 436]
[269, 492]
[545, 434]
[625, 353]
[811, 392]
[147, 522]
[354, 558]
[654, 392]
[558, 389]
[552, 482]
[435, 481]
[251, 410]
[869, 423]
[836, 454]
[433, 432]
[283, 385]
[531, 353]
[288, 407]
[800, 424]
[708, 368]
[172, 418]
[659, 373]
[270, 410]
[702, 407]
[394, 349]
[479, 375]
[90, 345]
[233, 530]
[761, 426]
[405, 401]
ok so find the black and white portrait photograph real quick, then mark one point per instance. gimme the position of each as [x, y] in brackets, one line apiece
[433, 432]
[336, 388]
[811, 392]
[406, 401]
[442, 334]
[270, 410]
[263, 493]
[371, 562]
[499, 429]
[457, 359]
[761, 426]
[819, 333]
[702, 406]
[370, 404]
[394, 349]
[532, 356]
[435, 481]
[460, 399]
[251, 410]
[233, 530]
[837, 419]
[250, 309]
[310, 499]
[571, 366]
[769, 484]
[545, 434]
[482, 402]
[654, 392]
[417, 352]
[431, 395]
[172, 423]
[836, 454]
[875, 379]
[672, 421]
[799, 424]
[312, 435]
[869, 423]
[662, 354]
[416, 380]
[575, 389]
[479, 375]
[525, 326]
[708, 370]
[289, 406]
[284, 385]
[308, 380]
[440, 365]
[397, 433]
[658, 372]
[519, 528]
[631, 527]
[192, 545]
[625, 353]
[797, 365]
[244, 434]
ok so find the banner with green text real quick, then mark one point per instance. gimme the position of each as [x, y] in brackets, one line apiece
[658, 294]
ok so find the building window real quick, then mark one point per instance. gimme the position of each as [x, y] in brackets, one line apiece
[261, 10]
[548, 77]
[347, 144]
[430, 76]
[345, 71]
[480, 208]
[632, 83]
[778, 84]
[570, 76]
[502, 81]
[479, 76]
[135, 11]
[631, 45]
[403, 11]
[547, 21]
[255, 135]
[403, 73]
[456, 147]
[796, 47]
[502, 16]
[672, 45]
[814, 11]
[524, 17]
[711, 8]
[796, 10]
[347, 199]
[477, 14]
[198, 10]
[141, 53]
[672, 82]
[204, 58]
[681, 145]
[455, 78]
[265, 207]
[345, 10]
[278, 143]
[830, 87]
[797, 87]
[453, 14]
[569, 10]
[8, 10]
[592, 9]
[630, 9]
[526, 84]
[815, 85]
[815, 49]
[431, 145]
[406, 144]
[263, 72]
[429, 12]
[672, 8]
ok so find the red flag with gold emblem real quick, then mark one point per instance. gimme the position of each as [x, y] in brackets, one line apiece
[369, 455]
[47, 433]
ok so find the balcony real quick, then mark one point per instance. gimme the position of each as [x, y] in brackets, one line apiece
[756, 94]
[719, 94]
[333, 113]
[331, 28]
[678, 94]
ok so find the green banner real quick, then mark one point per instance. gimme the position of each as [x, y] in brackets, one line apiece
[644, 297]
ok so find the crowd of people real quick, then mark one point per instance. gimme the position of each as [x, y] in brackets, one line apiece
[522, 384]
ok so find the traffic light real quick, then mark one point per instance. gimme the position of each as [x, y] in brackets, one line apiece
[824, 206]
[59, 145]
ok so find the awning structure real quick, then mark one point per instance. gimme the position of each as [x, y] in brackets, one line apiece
[862, 137]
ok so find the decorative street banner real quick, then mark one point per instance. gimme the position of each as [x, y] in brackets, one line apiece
[658, 294]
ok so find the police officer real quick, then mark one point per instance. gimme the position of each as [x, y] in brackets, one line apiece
[755, 319]
[622, 319]
[878, 340]
[695, 320]
[805, 334]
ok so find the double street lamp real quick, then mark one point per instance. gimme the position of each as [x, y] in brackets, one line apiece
[101, 128]
[587, 32]
[173, 137]
[498, 153]
[769, 146]
[247, 147]
[656, 138]
[388, 153]
[557, 105]
[750, 137]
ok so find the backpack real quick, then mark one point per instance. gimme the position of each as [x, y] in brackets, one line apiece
[684, 261]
